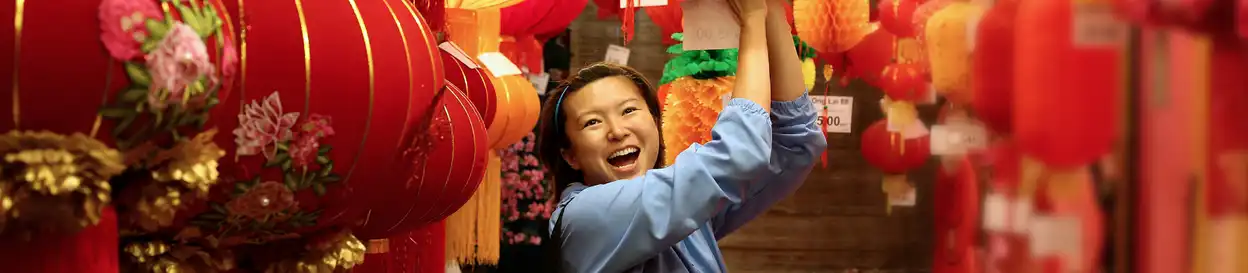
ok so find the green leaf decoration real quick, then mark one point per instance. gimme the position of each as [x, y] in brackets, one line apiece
[701, 64]
[157, 29]
[134, 95]
[804, 51]
[138, 74]
[319, 189]
[116, 112]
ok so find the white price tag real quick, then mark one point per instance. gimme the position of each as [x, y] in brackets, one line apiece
[709, 24]
[1097, 25]
[1020, 215]
[906, 200]
[839, 114]
[643, 3]
[957, 138]
[916, 130]
[458, 53]
[498, 64]
[617, 54]
[996, 212]
[1060, 236]
[539, 82]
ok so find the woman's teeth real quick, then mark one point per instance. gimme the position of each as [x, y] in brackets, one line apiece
[623, 152]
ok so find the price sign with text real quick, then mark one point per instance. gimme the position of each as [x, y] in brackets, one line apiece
[838, 115]
[540, 81]
[709, 24]
[957, 138]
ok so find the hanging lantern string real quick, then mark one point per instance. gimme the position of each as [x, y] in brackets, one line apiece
[626, 20]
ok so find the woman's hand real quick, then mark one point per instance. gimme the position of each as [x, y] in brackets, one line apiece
[747, 10]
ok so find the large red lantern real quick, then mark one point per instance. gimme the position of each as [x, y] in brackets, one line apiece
[1081, 77]
[451, 156]
[992, 80]
[897, 16]
[831, 26]
[890, 152]
[1227, 188]
[558, 19]
[518, 43]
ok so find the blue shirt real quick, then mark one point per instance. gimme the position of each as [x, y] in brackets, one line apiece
[668, 220]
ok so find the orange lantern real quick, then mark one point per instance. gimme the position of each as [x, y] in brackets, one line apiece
[897, 16]
[992, 79]
[1074, 68]
[472, 80]
[831, 26]
[516, 92]
[949, 50]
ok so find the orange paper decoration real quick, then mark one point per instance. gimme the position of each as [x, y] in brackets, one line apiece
[693, 106]
[831, 26]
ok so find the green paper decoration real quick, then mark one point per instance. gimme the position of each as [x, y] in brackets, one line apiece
[710, 64]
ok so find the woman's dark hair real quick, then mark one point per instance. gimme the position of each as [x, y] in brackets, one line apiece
[552, 138]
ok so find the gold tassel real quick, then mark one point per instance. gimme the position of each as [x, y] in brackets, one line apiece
[894, 186]
[472, 232]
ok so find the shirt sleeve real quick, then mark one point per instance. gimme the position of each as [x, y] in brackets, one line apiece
[615, 226]
[796, 142]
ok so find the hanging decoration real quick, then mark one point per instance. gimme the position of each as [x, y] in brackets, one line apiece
[894, 154]
[949, 52]
[480, 4]
[868, 59]
[923, 13]
[467, 75]
[518, 43]
[956, 208]
[669, 18]
[434, 12]
[992, 75]
[832, 26]
[897, 16]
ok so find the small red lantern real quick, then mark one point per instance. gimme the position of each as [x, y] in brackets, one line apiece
[904, 82]
[1081, 77]
[897, 16]
[891, 153]
[992, 80]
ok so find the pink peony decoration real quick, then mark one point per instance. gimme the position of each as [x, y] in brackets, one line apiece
[262, 125]
[123, 28]
[180, 59]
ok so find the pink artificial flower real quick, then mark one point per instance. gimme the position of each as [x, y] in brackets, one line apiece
[229, 62]
[318, 125]
[123, 26]
[180, 59]
[528, 146]
[536, 240]
[531, 161]
[303, 151]
[262, 125]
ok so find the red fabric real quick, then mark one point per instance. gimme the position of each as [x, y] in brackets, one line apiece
[885, 150]
[1228, 131]
[525, 51]
[993, 70]
[669, 19]
[519, 19]
[91, 250]
[557, 21]
[420, 250]
[1053, 73]
[956, 211]
[608, 8]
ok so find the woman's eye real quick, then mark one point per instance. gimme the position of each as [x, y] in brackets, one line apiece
[590, 122]
[630, 110]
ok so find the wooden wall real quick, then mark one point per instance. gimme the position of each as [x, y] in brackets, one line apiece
[836, 221]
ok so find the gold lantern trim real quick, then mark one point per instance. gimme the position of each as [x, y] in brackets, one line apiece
[52, 181]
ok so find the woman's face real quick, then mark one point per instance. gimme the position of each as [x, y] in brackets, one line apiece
[613, 134]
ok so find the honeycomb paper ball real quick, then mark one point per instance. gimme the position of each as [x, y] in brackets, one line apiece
[693, 106]
[831, 26]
